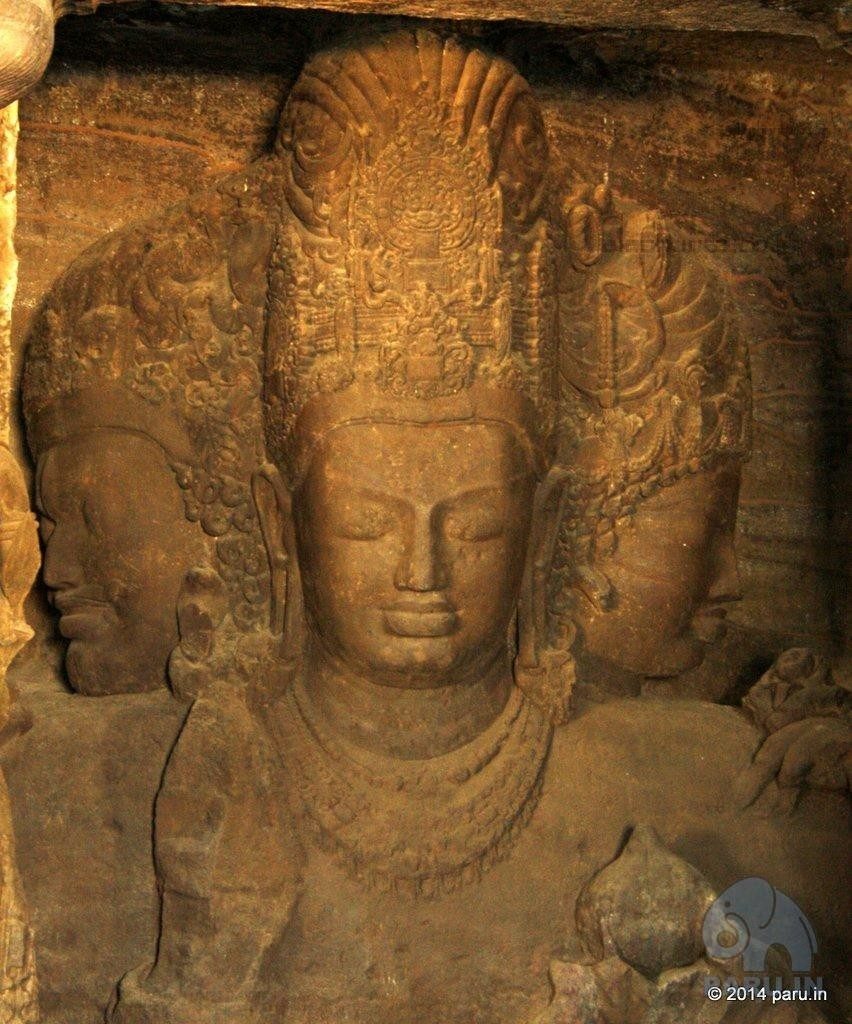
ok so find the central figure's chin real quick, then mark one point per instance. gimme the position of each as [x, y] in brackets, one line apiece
[419, 663]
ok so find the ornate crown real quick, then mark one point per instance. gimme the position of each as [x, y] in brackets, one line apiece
[411, 280]
[655, 373]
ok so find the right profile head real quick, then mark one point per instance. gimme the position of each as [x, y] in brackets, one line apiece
[656, 408]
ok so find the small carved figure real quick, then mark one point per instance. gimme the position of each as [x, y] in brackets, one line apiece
[657, 419]
[142, 399]
[806, 714]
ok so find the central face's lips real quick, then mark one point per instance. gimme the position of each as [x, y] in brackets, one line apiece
[420, 619]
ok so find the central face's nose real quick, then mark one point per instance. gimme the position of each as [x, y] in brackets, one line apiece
[421, 567]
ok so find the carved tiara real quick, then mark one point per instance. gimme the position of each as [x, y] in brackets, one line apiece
[414, 262]
[655, 373]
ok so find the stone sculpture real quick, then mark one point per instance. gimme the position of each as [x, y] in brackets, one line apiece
[26, 42]
[142, 400]
[805, 711]
[657, 416]
[390, 815]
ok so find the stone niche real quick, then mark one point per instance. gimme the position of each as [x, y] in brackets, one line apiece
[186, 854]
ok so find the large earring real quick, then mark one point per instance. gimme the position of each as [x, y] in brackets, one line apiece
[544, 664]
[201, 609]
[274, 510]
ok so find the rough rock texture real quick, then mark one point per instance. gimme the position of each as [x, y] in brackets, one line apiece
[84, 829]
[822, 20]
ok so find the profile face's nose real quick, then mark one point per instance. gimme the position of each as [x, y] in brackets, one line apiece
[60, 565]
[725, 584]
[421, 567]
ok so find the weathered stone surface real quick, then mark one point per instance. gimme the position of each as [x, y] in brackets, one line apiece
[824, 21]
[646, 908]
[154, 434]
[682, 124]
[82, 782]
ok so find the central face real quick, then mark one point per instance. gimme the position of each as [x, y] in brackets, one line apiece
[412, 541]
[117, 546]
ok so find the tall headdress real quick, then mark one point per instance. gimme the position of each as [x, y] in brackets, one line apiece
[411, 280]
[655, 373]
[158, 330]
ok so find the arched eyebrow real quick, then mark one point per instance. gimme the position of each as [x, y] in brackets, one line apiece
[484, 490]
[406, 504]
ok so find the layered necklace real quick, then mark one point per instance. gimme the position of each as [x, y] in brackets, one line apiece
[424, 826]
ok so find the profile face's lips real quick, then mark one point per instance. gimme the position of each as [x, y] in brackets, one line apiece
[429, 619]
[709, 623]
[81, 618]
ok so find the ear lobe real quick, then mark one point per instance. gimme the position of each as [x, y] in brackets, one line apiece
[548, 510]
[544, 666]
[274, 512]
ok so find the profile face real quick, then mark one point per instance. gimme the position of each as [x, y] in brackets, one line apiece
[116, 547]
[411, 542]
[673, 572]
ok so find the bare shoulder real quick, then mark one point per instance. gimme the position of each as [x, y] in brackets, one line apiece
[653, 742]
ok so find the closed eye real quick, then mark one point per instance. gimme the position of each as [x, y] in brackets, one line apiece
[365, 522]
[474, 524]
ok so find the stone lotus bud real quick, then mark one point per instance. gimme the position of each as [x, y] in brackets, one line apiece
[646, 907]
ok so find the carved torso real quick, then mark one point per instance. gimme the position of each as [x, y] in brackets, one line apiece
[482, 951]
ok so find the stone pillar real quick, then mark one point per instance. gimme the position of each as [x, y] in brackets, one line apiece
[26, 40]
[19, 561]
